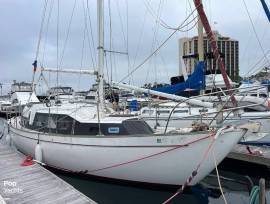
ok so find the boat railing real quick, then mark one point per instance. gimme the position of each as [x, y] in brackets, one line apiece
[223, 108]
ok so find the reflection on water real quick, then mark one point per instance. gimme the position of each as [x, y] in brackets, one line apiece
[235, 184]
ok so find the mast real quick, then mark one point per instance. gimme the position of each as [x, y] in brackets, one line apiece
[213, 43]
[200, 40]
[200, 48]
[100, 76]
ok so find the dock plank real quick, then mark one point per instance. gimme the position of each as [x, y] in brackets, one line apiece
[33, 184]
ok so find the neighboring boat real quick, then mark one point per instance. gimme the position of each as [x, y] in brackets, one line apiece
[21, 94]
[198, 81]
[90, 138]
[184, 115]
[60, 92]
[5, 103]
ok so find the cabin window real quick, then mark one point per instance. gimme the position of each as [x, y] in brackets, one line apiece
[150, 112]
[15, 101]
[90, 97]
[51, 123]
[93, 130]
[203, 110]
[63, 125]
[113, 130]
[137, 127]
[180, 111]
[263, 96]
[163, 112]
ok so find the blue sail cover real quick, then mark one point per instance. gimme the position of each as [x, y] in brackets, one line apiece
[265, 82]
[195, 81]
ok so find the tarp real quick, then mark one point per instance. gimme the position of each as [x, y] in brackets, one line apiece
[196, 81]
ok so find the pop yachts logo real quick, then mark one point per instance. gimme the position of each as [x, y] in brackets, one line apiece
[11, 187]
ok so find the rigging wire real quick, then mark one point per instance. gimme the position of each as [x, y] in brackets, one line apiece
[162, 22]
[109, 93]
[82, 54]
[68, 31]
[41, 27]
[91, 31]
[110, 47]
[194, 16]
[127, 48]
[153, 46]
[57, 45]
[87, 31]
[257, 48]
[140, 38]
[121, 21]
[158, 48]
[256, 64]
[123, 32]
[38, 47]
[46, 32]
[253, 27]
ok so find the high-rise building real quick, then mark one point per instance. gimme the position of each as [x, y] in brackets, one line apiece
[228, 48]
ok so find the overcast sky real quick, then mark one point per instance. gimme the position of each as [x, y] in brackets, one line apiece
[132, 22]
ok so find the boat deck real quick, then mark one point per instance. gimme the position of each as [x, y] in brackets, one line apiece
[260, 155]
[32, 184]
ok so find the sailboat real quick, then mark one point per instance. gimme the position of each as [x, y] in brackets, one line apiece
[89, 138]
[21, 94]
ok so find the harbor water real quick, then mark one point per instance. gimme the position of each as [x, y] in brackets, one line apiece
[236, 181]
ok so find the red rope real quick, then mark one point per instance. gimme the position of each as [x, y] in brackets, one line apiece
[193, 174]
[28, 161]
[152, 155]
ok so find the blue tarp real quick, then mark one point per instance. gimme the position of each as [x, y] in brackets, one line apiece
[133, 105]
[196, 81]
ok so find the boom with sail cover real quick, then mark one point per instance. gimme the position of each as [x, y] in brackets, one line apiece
[196, 81]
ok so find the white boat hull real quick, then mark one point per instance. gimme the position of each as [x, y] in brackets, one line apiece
[149, 159]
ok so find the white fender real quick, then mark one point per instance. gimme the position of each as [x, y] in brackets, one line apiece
[8, 139]
[38, 153]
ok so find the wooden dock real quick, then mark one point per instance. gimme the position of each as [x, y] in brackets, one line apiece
[32, 184]
[259, 155]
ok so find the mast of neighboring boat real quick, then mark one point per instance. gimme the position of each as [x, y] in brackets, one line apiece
[200, 47]
[100, 76]
[200, 40]
[210, 35]
[1, 87]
